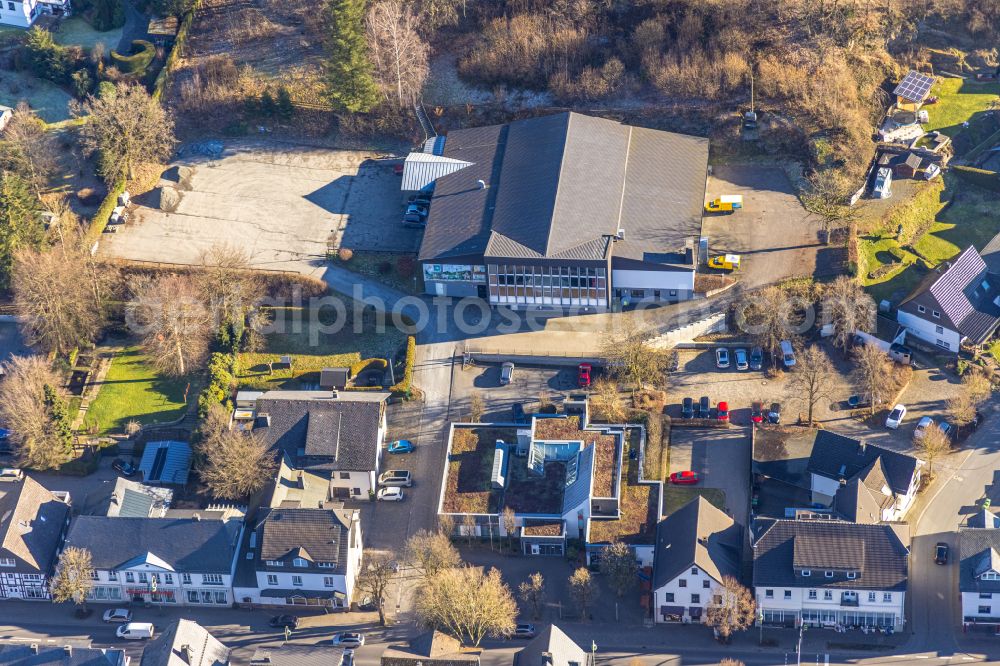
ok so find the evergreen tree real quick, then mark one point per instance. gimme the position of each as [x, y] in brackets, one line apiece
[350, 84]
[59, 418]
[20, 224]
[283, 104]
[267, 105]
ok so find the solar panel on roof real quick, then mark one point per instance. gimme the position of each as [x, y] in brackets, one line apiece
[915, 86]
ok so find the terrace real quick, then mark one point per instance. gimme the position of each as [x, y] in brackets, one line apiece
[468, 487]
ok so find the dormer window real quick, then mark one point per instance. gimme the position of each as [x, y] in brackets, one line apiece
[829, 574]
[274, 563]
[299, 562]
[936, 314]
[990, 575]
[921, 309]
[986, 286]
[806, 572]
[852, 574]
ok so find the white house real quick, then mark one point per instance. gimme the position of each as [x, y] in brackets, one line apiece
[979, 575]
[336, 434]
[829, 573]
[959, 305]
[22, 13]
[696, 546]
[187, 561]
[302, 557]
[6, 113]
[34, 521]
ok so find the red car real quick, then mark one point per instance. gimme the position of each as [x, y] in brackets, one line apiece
[583, 378]
[723, 411]
[685, 478]
[756, 411]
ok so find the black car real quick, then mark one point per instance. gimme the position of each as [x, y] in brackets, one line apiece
[123, 467]
[687, 408]
[705, 407]
[414, 221]
[941, 553]
[756, 358]
[774, 414]
[519, 415]
[282, 621]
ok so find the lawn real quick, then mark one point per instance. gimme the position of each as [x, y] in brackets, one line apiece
[674, 497]
[386, 268]
[76, 31]
[312, 349]
[133, 389]
[958, 101]
[49, 101]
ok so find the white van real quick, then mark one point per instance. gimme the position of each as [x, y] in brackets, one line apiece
[135, 631]
[787, 353]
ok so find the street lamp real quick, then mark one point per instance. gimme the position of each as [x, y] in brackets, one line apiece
[802, 630]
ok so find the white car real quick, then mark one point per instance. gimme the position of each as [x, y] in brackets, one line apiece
[722, 357]
[895, 417]
[390, 494]
[118, 615]
[922, 425]
[351, 640]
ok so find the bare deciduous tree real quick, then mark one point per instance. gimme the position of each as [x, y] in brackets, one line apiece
[476, 407]
[374, 578]
[173, 321]
[398, 53]
[812, 380]
[73, 577]
[236, 464]
[766, 318]
[469, 527]
[532, 591]
[618, 563]
[125, 129]
[607, 401]
[849, 308]
[28, 149]
[932, 444]
[732, 608]
[431, 552]
[583, 590]
[977, 386]
[232, 290]
[729, 661]
[25, 407]
[873, 372]
[961, 409]
[630, 357]
[509, 519]
[468, 604]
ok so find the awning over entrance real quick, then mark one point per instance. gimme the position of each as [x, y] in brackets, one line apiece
[671, 610]
[275, 593]
[695, 612]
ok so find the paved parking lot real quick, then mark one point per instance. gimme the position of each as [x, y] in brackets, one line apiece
[281, 202]
[721, 457]
[776, 237]
[529, 383]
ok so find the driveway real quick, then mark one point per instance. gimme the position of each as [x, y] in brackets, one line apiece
[529, 385]
[776, 237]
[721, 457]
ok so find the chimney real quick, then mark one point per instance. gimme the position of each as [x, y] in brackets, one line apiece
[689, 255]
[334, 394]
[547, 659]
[68, 650]
[861, 448]
[621, 234]
[196, 517]
[481, 183]
[34, 648]
[187, 653]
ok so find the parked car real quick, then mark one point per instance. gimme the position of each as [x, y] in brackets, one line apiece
[895, 417]
[722, 357]
[722, 411]
[506, 373]
[583, 374]
[756, 411]
[396, 477]
[390, 494]
[787, 353]
[401, 446]
[685, 478]
[117, 615]
[725, 262]
[11, 474]
[519, 415]
[524, 631]
[687, 408]
[4, 434]
[756, 358]
[135, 631]
[923, 425]
[123, 467]
[282, 621]
[420, 199]
[932, 171]
[941, 553]
[774, 414]
[742, 363]
[705, 407]
[349, 639]
[416, 209]
[948, 429]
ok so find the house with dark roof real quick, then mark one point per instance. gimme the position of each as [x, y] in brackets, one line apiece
[564, 211]
[696, 546]
[829, 573]
[183, 561]
[334, 434]
[185, 643]
[47, 654]
[431, 648]
[552, 647]
[33, 521]
[301, 557]
[290, 654]
[959, 305]
[167, 462]
[979, 574]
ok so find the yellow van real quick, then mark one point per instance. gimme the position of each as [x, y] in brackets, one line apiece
[727, 203]
[726, 262]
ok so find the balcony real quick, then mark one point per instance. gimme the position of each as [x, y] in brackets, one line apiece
[849, 599]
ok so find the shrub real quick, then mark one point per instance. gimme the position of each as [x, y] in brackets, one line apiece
[103, 214]
[345, 254]
[138, 61]
[384, 267]
[982, 177]
[366, 364]
[404, 385]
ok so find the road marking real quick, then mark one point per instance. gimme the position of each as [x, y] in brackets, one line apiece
[922, 656]
[826, 659]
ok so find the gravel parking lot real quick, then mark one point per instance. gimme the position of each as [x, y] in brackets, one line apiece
[282, 203]
[776, 237]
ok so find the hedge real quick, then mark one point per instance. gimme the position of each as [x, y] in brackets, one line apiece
[365, 364]
[981, 177]
[404, 385]
[137, 62]
[163, 78]
[103, 214]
